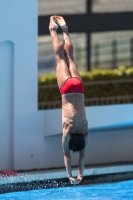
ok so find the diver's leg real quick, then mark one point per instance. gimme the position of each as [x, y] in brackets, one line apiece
[68, 47]
[62, 71]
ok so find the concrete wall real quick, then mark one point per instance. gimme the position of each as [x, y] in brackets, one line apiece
[38, 139]
[110, 135]
[110, 141]
[31, 139]
[18, 75]
[97, 116]
[110, 146]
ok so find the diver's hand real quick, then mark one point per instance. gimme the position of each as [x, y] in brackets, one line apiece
[75, 180]
[72, 180]
[78, 179]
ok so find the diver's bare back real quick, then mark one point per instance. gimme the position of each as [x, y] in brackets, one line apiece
[73, 113]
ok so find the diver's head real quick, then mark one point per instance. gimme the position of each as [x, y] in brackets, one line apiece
[77, 142]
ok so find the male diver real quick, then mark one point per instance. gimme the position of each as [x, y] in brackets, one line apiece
[74, 122]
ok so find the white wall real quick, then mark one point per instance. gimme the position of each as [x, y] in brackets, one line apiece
[24, 131]
[18, 76]
[97, 116]
[38, 138]
[43, 147]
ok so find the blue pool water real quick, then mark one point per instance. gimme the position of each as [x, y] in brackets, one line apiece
[113, 191]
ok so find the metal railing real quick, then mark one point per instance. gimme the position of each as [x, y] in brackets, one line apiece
[92, 101]
[112, 53]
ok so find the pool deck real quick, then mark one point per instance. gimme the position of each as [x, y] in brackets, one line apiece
[58, 177]
[88, 171]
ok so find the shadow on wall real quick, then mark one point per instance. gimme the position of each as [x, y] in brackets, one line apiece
[6, 102]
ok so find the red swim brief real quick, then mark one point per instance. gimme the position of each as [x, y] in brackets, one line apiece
[72, 85]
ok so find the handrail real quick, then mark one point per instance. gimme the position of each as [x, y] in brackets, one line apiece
[91, 101]
[108, 98]
[94, 100]
[93, 83]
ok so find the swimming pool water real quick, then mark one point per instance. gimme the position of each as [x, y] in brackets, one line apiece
[112, 191]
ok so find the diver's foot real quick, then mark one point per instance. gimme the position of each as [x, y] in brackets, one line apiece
[52, 24]
[61, 22]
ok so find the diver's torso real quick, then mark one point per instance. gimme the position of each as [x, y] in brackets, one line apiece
[73, 113]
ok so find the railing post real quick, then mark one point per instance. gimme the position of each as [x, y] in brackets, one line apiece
[114, 54]
[131, 51]
[88, 7]
[96, 55]
[88, 51]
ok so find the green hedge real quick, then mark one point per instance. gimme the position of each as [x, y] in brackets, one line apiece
[104, 90]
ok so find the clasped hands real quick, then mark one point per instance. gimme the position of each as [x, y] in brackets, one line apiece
[75, 180]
